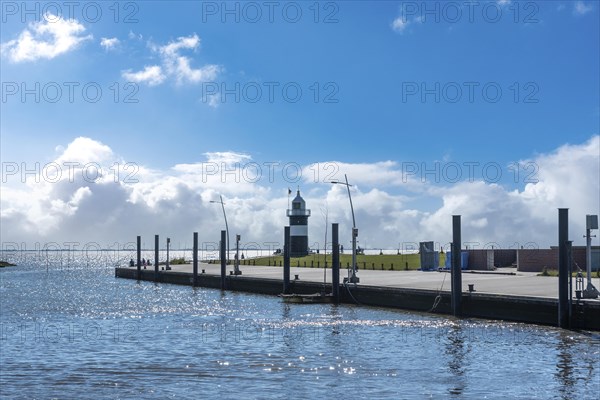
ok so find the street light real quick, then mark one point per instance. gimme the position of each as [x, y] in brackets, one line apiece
[352, 278]
[225, 217]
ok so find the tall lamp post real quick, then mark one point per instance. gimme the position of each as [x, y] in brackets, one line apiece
[225, 217]
[352, 277]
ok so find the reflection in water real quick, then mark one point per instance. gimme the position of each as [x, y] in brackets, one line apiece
[575, 364]
[71, 331]
[564, 365]
[456, 351]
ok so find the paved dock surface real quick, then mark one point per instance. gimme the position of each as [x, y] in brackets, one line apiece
[498, 282]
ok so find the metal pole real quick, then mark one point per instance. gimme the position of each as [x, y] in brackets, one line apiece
[456, 281]
[236, 264]
[353, 277]
[588, 257]
[156, 244]
[563, 268]
[335, 260]
[350, 197]
[223, 260]
[591, 222]
[570, 268]
[226, 226]
[195, 259]
[139, 256]
[168, 245]
[286, 260]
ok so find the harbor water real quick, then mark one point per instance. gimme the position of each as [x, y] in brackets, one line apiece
[73, 330]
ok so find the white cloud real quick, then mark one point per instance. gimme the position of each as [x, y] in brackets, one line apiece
[132, 35]
[109, 44]
[172, 49]
[176, 65]
[389, 211]
[227, 157]
[581, 8]
[151, 75]
[400, 24]
[503, 2]
[48, 38]
[213, 100]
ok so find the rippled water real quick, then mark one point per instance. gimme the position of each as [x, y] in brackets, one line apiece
[79, 332]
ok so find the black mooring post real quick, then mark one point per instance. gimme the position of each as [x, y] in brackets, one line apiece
[223, 259]
[563, 268]
[335, 263]
[570, 290]
[195, 260]
[286, 260]
[155, 258]
[139, 257]
[456, 281]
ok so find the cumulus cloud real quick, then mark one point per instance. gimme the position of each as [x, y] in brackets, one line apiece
[150, 75]
[175, 65]
[109, 43]
[48, 38]
[400, 24]
[581, 8]
[92, 204]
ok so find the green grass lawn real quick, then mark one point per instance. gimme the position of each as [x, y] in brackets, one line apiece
[554, 272]
[389, 261]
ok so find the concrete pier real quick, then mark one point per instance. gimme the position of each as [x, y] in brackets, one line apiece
[523, 297]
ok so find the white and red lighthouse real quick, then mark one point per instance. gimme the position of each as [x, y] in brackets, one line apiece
[298, 215]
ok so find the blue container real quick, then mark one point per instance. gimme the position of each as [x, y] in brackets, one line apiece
[464, 260]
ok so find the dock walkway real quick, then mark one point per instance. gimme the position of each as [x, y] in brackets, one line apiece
[498, 295]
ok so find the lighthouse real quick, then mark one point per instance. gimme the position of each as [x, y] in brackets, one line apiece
[298, 215]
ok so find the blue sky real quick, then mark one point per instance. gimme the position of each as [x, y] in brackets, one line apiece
[362, 68]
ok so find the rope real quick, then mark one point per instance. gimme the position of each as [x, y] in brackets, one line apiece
[438, 298]
[350, 293]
